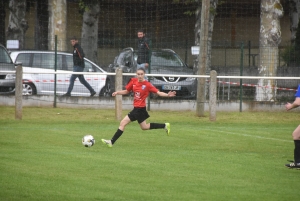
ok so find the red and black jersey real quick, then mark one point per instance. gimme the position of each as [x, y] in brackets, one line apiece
[141, 91]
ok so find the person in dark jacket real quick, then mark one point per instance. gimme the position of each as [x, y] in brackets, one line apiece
[78, 61]
[143, 51]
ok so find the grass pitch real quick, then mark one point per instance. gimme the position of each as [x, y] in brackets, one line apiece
[241, 156]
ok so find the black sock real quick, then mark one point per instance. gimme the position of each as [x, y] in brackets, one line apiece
[297, 151]
[156, 125]
[116, 136]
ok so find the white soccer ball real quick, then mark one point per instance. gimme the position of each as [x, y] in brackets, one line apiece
[88, 141]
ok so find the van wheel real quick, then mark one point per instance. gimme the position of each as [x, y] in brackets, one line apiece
[29, 89]
[106, 90]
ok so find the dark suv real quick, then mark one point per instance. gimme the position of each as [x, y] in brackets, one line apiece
[7, 80]
[163, 61]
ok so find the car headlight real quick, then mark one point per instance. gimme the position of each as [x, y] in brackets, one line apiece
[10, 76]
[190, 79]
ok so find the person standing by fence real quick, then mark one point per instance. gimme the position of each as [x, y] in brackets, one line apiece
[78, 61]
[296, 133]
[143, 51]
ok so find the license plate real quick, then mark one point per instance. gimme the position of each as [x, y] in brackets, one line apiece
[171, 87]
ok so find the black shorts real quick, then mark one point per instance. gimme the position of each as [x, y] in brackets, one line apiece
[138, 113]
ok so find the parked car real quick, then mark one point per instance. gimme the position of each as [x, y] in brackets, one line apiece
[163, 61]
[7, 80]
[36, 65]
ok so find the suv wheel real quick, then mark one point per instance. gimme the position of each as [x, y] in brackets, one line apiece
[29, 89]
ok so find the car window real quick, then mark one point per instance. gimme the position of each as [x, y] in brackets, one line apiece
[4, 57]
[124, 57]
[88, 67]
[166, 59]
[46, 61]
[69, 60]
[24, 58]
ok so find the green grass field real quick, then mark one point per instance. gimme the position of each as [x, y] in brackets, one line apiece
[241, 156]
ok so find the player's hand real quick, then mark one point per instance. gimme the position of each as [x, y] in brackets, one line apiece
[172, 93]
[288, 106]
[114, 94]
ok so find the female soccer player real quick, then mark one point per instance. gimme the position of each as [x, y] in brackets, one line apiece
[141, 89]
[296, 133]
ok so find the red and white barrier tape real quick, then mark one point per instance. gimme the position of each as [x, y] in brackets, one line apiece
[255, 85]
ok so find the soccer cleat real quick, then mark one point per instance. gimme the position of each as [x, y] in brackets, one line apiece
[168, 128]
[293, 165]
[107, 142]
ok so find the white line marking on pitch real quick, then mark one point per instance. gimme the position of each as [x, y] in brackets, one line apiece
[247, 135]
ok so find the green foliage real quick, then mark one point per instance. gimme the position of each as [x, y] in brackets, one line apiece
[290, 54]
[239, 157]
[84, 5]
[212, 10]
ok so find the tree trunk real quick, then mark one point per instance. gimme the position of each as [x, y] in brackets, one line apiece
[203, 62]
[213, 7]
[294, 17]
[41, 25]
[3, 4]
[270, 37]
[17, 24]
[57, 24]
[89, 34]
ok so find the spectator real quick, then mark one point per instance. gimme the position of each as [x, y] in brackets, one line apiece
[78, 61]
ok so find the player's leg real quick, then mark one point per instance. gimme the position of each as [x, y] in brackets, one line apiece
[118, 133]
[146, 126]
[296, 138]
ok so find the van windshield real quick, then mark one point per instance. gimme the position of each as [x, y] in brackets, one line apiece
[4, 57]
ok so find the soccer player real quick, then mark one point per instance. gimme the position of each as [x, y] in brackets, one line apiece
[296, 133]
[141, 89]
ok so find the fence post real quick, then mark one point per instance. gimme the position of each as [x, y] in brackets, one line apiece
[18, 92]
[241, 74]
[118, 98]
[213, 96]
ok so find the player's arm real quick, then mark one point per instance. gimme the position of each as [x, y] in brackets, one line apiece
[169, 94]
[122, 92]
[293, 105]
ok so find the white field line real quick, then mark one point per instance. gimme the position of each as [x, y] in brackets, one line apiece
[248, 135]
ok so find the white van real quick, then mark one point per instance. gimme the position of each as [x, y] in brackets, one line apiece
[7, 80]
[39, 63]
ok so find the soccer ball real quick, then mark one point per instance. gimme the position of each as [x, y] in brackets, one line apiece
[88, 141]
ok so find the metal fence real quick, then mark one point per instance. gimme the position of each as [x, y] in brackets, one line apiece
[235, 48]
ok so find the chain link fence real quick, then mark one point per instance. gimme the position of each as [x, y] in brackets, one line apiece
[168, 24]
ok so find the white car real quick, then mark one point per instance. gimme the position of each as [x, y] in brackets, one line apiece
[37, 63]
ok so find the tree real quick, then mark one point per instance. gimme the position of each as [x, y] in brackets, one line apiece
[89, 33]
[41, 25]
[197, 30]
[57, 24]
[270, 38]
[202, 68]
[3, 4]
[17, 24]
[294, 7]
